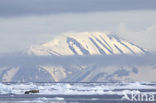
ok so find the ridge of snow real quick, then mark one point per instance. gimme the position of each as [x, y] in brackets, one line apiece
[86, 43]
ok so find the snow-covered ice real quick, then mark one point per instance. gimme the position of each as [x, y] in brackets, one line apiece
[73, 88]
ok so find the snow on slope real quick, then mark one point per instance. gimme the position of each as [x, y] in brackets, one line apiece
[83, 43]
[86, 43]
[56, 72]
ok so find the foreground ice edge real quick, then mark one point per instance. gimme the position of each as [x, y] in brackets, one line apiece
[75, 88]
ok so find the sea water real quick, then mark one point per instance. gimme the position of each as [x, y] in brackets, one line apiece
[108, 92]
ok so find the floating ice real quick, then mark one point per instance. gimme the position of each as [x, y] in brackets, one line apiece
[73, 88]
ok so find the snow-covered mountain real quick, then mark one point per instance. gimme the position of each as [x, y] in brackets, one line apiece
[87, 44]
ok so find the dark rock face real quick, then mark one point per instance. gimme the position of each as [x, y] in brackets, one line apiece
[32, 73]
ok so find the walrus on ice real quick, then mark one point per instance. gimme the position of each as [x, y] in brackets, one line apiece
[31, 91]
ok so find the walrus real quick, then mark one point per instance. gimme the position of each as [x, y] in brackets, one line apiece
[31, 91]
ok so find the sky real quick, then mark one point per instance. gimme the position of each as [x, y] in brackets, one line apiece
[29, 22]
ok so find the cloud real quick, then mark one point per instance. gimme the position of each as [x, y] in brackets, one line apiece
[105, 60]
[144, 38]
[9, 8]
[18, 33]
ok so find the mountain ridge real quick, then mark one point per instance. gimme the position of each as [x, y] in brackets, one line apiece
[86, 43]
[110, 59]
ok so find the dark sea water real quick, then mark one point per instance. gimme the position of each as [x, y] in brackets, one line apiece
[138, 92]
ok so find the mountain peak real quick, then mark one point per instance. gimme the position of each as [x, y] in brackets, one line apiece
[86, 43]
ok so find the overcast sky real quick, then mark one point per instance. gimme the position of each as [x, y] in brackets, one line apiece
[28, 22]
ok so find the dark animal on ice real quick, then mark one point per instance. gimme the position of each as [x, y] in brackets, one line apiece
[31, 91]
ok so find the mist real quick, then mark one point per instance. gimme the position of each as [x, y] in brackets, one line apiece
[102, 60]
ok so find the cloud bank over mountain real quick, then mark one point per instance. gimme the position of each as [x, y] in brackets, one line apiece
[28, 22]
[80, 57]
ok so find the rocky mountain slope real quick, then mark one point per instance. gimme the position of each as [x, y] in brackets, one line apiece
[86, 43]
[80, 44]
